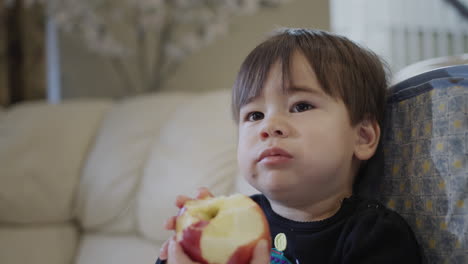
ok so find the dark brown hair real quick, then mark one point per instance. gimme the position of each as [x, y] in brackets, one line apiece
[344, 69]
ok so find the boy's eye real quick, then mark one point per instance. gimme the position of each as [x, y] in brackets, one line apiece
[301, 107]
[255, 116]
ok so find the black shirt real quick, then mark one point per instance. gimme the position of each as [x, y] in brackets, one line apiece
[362, 231]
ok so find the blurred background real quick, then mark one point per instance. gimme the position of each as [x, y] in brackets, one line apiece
[59, 49]
[92, 180]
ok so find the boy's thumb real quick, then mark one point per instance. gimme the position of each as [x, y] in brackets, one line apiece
[261, 254]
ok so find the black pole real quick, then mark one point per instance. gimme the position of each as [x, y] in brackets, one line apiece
[14, 15]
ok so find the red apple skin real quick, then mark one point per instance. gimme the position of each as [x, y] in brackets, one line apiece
[190, 242]
[244, 254]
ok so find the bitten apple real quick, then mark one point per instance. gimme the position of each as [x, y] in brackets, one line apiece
[221, 230]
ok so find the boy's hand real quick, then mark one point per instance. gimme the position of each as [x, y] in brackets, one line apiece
[261, 254]
[203, 192]
[173, 252]
[176, 255]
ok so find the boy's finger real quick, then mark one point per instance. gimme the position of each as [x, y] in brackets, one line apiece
[177, 255]
[170, 223]
[181, 200]
[203, 192]
[261, 254]
[164, 248]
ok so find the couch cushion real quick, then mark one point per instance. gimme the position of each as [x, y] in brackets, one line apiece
[114, 249]
[2, 113]
[112, 173]
[196, 147]
[42, 148]
[47, 244]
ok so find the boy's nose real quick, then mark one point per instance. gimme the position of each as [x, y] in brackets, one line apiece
[275, 133]
[274, 129]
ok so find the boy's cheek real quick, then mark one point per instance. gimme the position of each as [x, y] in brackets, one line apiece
[243, 163]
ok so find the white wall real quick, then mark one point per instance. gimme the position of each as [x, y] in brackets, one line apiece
[402, 31]
[217, 65]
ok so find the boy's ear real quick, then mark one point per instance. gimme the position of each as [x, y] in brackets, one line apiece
[368, 136]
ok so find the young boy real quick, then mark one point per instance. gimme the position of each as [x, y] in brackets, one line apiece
[309, 107]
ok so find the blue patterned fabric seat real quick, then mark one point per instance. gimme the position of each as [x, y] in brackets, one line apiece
[421, 168]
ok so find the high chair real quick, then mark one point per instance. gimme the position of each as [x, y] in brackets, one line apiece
[421, 169]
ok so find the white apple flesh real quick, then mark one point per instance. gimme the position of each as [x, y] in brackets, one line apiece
[221, 230]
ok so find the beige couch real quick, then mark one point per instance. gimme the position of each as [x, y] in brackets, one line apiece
[92, 181]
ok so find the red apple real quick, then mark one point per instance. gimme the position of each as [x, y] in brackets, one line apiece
[221, 230]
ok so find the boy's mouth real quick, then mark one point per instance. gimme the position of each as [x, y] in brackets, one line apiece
[274, 155]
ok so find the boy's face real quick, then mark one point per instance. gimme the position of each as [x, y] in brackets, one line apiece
[297, 146]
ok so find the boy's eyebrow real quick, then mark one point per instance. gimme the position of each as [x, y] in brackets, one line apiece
[304, 89]
[249, 100]
[291, 89]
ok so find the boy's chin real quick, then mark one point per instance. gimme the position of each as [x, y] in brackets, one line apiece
[282, 196]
